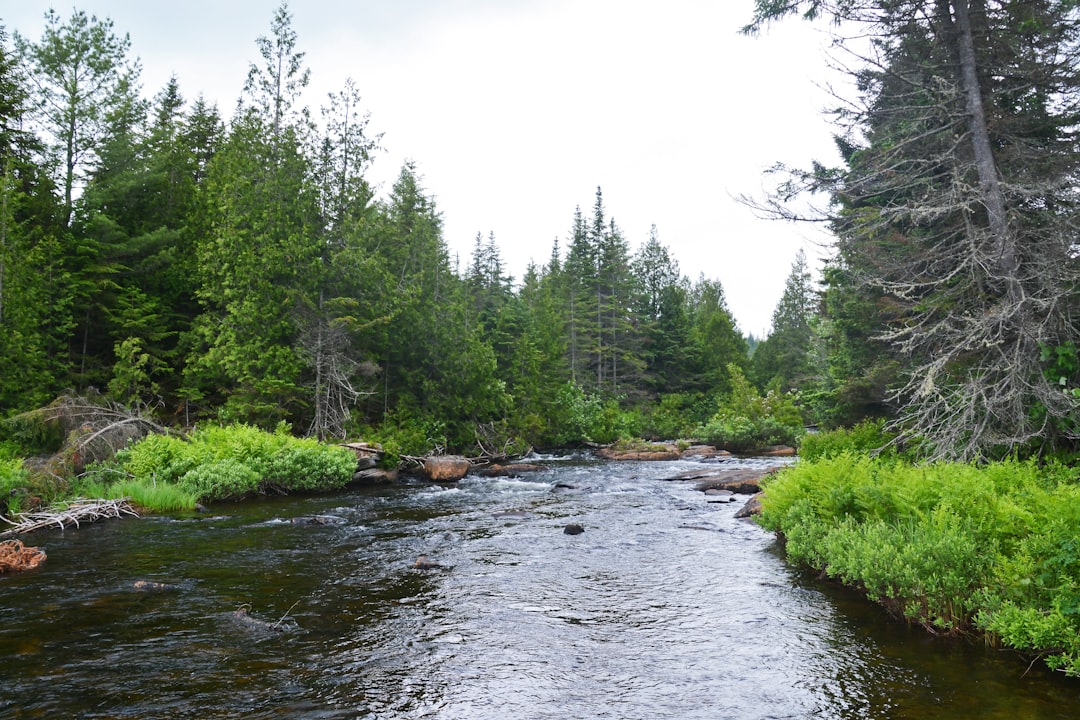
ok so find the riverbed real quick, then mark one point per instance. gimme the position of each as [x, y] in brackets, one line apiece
[666, 606]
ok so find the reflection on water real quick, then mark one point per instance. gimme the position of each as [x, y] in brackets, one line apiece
[665, 607]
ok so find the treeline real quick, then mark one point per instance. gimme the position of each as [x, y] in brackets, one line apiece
[244, 270]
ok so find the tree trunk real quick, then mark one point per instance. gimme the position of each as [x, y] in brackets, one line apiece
[989, 183]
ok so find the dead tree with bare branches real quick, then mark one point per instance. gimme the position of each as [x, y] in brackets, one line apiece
[958, 203]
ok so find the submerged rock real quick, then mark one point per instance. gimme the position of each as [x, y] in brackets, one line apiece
[149, 586]
[423, 563]
[718, 495]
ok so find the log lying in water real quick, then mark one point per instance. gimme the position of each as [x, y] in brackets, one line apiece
[71, 513]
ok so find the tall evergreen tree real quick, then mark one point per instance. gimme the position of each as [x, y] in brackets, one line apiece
[785, 356]
[85, 83]
[35, 291]
[259, 262]
[958, 198]
[663, 313]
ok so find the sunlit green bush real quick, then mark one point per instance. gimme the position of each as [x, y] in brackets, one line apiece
[230, 462]
[868, 436]
[954, 547]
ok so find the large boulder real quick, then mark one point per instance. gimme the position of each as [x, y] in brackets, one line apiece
[704, 451]
[444, 468]
[656, 453]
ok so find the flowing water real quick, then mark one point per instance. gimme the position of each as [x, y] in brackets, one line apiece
[665, 607]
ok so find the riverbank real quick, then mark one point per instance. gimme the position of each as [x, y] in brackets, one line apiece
[986, 551]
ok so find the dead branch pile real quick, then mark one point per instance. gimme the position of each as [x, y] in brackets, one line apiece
[94, 428]
[73, 512]
[14, 557]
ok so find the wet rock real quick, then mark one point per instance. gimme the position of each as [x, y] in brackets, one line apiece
[445, 468]
[741, 482]
[657, 454]
[246, 619]
[423, 563]
[564, 487]
[778, 451]
[751, 508]
[573, 529]
[317, 520]
[510, 469]
[704, 451]
[375, 476]
[149, 586]
[718, 495]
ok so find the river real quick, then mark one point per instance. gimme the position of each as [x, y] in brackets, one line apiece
[665, 607]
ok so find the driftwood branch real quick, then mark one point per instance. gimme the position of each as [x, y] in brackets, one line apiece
[74, 512]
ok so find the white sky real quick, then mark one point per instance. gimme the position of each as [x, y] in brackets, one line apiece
[516, 110]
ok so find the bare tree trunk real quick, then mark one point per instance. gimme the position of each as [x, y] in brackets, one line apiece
[989, 182]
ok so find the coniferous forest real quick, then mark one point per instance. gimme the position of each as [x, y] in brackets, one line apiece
[190, 266]
[241, 269]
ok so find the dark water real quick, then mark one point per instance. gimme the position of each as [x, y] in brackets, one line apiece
[665, 607]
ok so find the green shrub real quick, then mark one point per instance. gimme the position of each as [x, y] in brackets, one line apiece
[228, 479]
[12, 482]
[747, 421]
[868, 436]
[954, 547]
[229, 462]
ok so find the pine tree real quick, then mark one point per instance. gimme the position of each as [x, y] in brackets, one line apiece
[956, 203]
[260, 259]
[785, 356]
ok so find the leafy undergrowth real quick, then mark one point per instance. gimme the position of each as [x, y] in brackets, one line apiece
[231, 462]
[956, 548]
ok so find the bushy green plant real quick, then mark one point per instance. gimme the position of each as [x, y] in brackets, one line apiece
[954, 547]
[747, 421]
[676, 415]
[227, 479]
[868, 436]
[229, 462]
[12, 480]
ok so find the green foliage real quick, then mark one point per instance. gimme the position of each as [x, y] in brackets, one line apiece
[954, 547]
[747, 421]
[676, 415]
[586, 417]
[147, 496]
[228, 463]
[868, 436]
[31, 434]
[12, 480]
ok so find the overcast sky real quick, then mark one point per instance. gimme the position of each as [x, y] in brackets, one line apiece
[516, 110]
